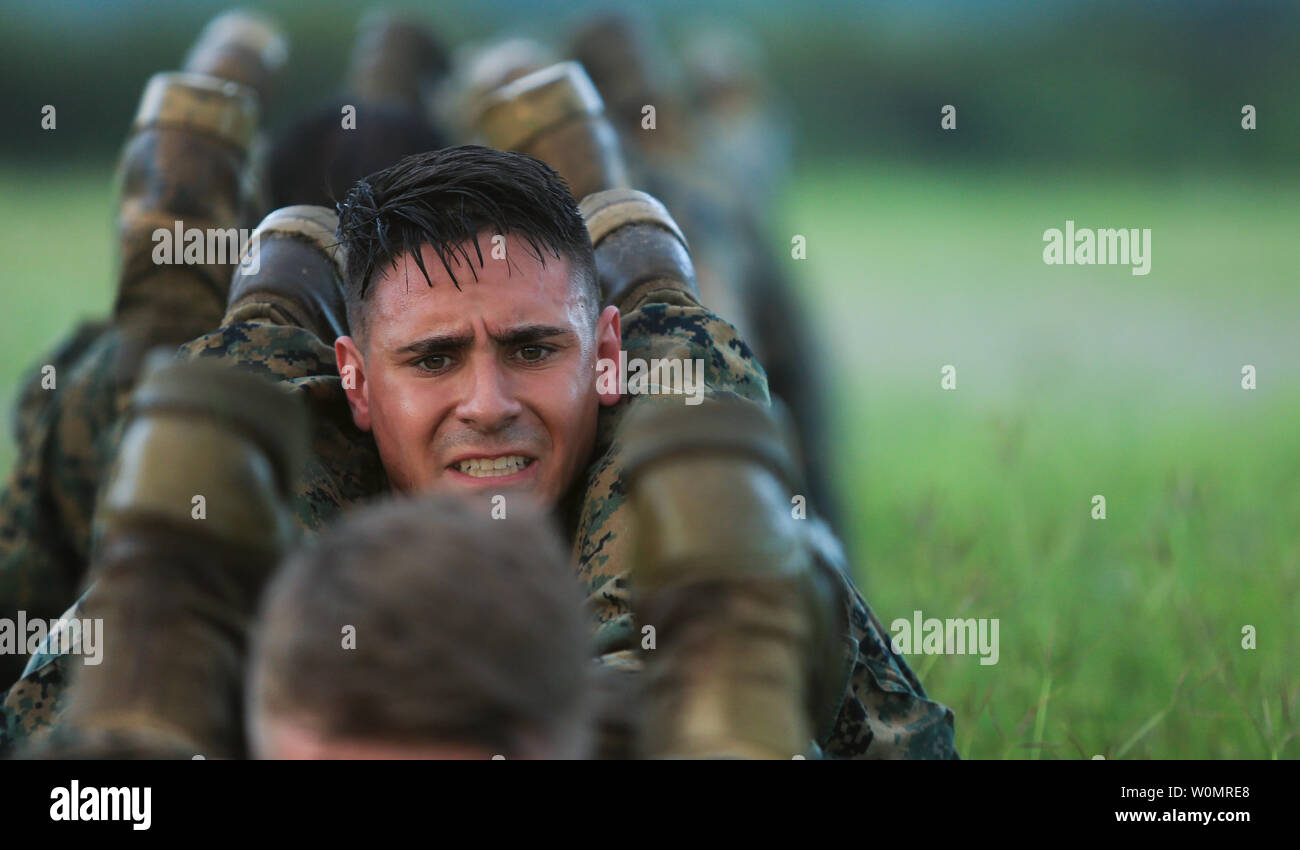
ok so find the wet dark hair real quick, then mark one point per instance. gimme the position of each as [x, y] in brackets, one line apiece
[314, 160]
[444, 199]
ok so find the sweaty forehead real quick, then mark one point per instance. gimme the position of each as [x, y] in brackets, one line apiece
[505, 290]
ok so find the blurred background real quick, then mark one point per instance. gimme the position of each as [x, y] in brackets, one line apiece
[1119, 637]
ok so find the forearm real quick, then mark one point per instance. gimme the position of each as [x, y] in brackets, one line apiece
[187, 183]
[186, 549]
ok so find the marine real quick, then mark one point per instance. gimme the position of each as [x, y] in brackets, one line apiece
[279, 329]
[187, 158]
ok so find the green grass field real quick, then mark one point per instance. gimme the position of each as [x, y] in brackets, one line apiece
[1119, 637]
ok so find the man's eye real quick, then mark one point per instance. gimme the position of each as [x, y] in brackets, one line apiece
[533, 353]
[434, 362]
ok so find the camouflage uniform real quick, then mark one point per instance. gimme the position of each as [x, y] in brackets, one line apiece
[69, 439]
[741, 276]
[172, 171]
[886, 713]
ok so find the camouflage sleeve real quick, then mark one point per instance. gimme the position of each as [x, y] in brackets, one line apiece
[40, 385]
[47, 507]
[343, 466]
[665, 324]
[885, 713]
[67, 436]
[31, 706]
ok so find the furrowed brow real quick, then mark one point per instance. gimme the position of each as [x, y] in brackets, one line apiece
[437, 344]
[530, 333]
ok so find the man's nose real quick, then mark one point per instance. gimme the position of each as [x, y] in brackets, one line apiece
[488, 404]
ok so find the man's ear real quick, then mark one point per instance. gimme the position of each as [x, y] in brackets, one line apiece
[609, 342]
[352, 369]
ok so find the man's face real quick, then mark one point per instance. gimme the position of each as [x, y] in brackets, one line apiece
[488, 389]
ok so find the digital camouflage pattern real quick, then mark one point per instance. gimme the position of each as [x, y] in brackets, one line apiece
[724, 211]
[741, 276]
[185, 161]
[886, 713]
[65, 439]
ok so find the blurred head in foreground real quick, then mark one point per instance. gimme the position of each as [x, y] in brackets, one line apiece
[423, 629]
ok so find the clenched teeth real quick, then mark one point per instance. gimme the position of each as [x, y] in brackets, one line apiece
[490, 467]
